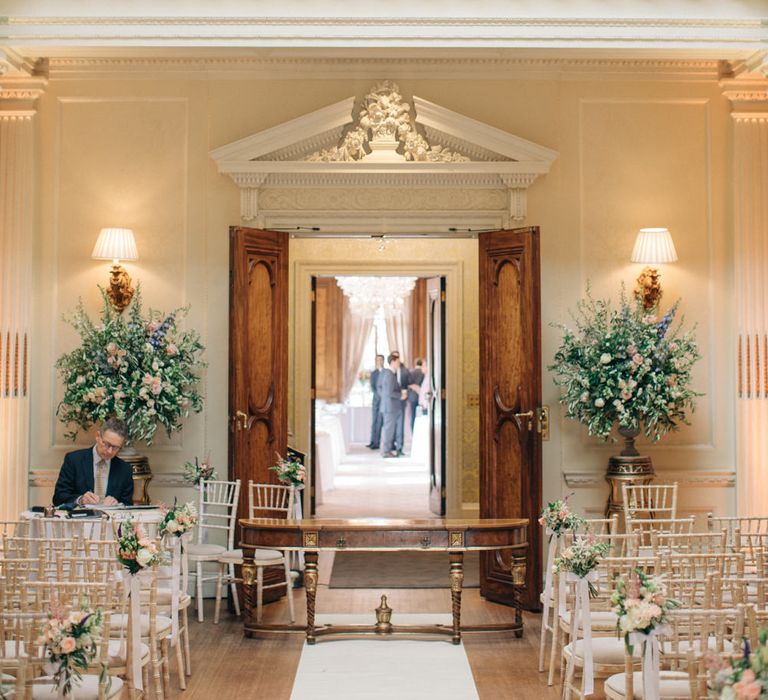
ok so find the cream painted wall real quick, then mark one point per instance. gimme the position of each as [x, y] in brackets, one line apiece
[134, 153]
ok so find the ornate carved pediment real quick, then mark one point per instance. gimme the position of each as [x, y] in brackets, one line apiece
[381, 141]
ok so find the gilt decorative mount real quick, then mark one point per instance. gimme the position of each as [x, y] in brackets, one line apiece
[383, 141]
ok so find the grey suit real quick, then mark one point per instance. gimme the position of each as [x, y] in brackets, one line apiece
[391, 408]
[376, 417]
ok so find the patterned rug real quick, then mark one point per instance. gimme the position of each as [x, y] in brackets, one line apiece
[399, 570]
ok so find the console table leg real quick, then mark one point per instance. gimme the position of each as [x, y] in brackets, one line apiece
[457, 581]
[310, 586]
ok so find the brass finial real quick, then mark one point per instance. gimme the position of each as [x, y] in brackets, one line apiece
[383, 617]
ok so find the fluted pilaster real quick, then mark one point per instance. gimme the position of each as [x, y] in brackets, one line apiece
[16, 237]
[750, 168]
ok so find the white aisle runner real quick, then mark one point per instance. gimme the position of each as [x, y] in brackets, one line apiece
[384, 669]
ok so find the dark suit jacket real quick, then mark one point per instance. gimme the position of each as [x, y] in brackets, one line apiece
[76, 477]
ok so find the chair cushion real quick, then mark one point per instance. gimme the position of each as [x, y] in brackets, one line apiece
[87, 688]
[673, 684]
[10, 648]
[601, 619]
[683, 645]
[119, 622]
[605, 650]
[117, 652]
[205, 552]
[235, 556]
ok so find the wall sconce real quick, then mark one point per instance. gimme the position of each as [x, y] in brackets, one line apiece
[117, 244]
[653, 246]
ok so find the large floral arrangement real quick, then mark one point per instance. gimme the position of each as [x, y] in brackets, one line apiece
[136, 551]
[139, 368]
[178, 520]
[745, 678]
[557, 517]
[70, 641]
[641, 605]
[625, 366]
[290, 471]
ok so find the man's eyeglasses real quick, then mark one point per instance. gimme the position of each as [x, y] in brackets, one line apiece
[109, 446]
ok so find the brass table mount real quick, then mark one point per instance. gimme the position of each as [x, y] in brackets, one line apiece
[628, 467]
[383, 617]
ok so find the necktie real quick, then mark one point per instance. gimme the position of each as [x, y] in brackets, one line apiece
[100, 488]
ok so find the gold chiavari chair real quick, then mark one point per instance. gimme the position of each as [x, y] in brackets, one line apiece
[730, 564]
[603, 619]
[753, 546]
[689, 593]
[747, 590]
[756, 524]
[643, 527]
[649, 501]
[602, 526]
[693, 632]
[689, 542]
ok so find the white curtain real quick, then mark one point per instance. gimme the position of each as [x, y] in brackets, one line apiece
[354, 336]
[399, 330]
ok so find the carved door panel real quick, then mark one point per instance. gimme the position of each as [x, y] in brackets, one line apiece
[436, 374]
[510, 399]
[258, 355]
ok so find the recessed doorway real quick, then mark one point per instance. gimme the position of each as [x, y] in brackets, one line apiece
[378, 399]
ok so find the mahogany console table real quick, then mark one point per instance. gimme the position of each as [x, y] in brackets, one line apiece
[365, 535]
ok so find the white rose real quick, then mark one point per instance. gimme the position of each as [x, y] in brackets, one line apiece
[605, 358]
[144, 556]
[599, 403]
[172, 526]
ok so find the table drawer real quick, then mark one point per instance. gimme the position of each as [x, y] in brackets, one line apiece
[372, 539]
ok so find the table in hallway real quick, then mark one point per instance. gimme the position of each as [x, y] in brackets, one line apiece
[312, 536]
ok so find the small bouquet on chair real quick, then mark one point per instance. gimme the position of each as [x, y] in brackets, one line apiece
[179, 520]
[199, 471]
[290, 471]
[136, 551]
[581, 559]
[557, 517]
[745, 677]
[70, 642]
[642, 607]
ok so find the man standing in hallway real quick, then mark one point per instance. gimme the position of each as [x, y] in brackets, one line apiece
[402, 381]
[415, 378]
[376, 417]
[391, 405]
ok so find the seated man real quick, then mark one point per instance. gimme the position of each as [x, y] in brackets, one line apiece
[96, 475]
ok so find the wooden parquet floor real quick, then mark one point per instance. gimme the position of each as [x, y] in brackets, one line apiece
[226, 665]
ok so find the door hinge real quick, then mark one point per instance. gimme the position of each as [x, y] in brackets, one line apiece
[442, 296]
[312, 295]
[442, 394]
[312, 394]
[312, 492]
[442, 492]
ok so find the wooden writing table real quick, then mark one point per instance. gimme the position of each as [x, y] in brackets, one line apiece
[378, 534]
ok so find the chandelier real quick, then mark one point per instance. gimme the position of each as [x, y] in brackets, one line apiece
[368, 295]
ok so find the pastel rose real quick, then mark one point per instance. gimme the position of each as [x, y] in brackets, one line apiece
[605, 358]
[599, 403]
[144, 556]
[68, 645]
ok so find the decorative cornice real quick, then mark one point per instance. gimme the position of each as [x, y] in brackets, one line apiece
[19, 94]
[417, 66]
[746, 93]
[703, 478]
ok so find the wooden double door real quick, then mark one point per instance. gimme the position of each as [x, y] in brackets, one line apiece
[510, 383]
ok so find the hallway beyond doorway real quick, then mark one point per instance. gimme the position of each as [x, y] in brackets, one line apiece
[366, 485]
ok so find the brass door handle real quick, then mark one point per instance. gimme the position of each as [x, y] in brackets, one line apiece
[341, 543]
[529, 416]
[241, 420]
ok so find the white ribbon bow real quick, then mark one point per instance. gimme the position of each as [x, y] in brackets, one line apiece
[582, 618]
[175, 583]
[554, 541]
[132, 589]
[651, 673]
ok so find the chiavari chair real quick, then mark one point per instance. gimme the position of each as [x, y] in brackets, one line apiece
[757, 525]
[649, 501]
[699, 592]
[603, 619]
[689, 542]
[692, 633]
[753, 546]
[601, 526]
[700, 565]
[217, 514]
[643, 527]
[264, 500]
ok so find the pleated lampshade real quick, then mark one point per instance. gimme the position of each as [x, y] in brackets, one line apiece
[654, 246]
[115, 244]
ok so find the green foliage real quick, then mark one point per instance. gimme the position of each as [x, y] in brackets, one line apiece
[141, 369]
[627, 367]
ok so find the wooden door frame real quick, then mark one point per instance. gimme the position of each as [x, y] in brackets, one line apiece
[300, 359]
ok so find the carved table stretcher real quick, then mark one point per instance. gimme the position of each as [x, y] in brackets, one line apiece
[369, 535]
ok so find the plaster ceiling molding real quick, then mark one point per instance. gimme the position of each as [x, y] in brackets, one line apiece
[386, 142]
